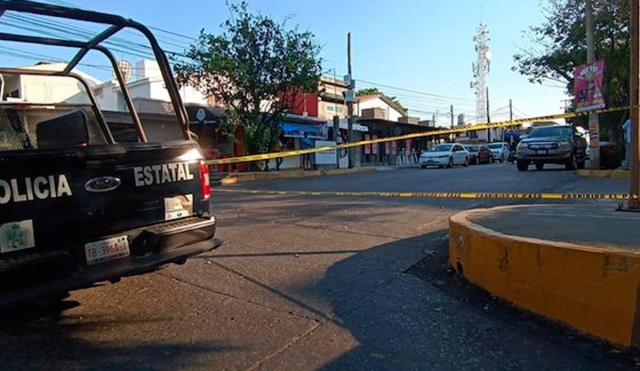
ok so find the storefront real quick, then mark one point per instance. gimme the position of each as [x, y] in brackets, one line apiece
[383, 154]
[293, 129]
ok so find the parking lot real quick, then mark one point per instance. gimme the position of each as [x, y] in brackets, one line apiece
[309, 282]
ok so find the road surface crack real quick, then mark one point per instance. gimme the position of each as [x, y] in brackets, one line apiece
[287, 346]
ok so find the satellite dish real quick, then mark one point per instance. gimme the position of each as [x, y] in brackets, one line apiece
[126, 69]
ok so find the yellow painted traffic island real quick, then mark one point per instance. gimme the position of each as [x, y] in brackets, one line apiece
[579, 264]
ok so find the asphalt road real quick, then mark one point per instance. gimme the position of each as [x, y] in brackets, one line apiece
[319, 283]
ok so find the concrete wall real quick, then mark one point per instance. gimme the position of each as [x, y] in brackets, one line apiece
[390, 113]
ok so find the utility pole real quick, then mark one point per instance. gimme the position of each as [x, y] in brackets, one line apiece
[350, 98]
[488, 118]
[336, 118]
[594, 127]
[451, 136]
[510, 110]
[634, 97]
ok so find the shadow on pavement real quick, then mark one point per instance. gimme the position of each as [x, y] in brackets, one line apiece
[421, 317]
[43, 338]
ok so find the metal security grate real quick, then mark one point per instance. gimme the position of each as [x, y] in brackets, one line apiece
[18, 124]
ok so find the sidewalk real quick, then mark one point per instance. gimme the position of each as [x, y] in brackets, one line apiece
[579, 264]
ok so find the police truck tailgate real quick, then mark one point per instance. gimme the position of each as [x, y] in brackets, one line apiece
[88, 206]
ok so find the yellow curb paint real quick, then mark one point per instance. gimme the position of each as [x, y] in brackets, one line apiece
[591, 289]
[275, 175]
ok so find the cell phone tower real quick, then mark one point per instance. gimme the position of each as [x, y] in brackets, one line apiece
[481, 69]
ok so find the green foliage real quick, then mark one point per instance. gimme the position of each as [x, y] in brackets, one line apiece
[374, 91]
[255, 68]
[558, 45]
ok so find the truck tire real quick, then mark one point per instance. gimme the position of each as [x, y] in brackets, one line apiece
[572, 163]
[522, 165]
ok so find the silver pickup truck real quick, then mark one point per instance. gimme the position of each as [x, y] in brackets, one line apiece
[557, 144]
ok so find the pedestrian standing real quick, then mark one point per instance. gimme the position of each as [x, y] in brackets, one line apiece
[305, 143]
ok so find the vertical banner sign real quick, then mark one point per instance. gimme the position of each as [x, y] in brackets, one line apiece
[407, 148]
[594, 138]
[367, 147]
[394, 148]
[588, 86]
[374, 147]
[387, 148]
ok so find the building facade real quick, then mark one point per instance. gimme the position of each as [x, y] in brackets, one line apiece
[146, 85]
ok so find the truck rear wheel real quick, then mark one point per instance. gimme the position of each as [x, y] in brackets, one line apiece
[572, 163]
[522, 165]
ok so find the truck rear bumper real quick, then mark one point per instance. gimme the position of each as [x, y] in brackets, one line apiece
[151, 248]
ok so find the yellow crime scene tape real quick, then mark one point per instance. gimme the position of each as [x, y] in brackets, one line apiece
[461, 195]
[461, 129]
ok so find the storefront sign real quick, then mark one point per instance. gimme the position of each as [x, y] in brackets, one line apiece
[292, 130]
[367, 147]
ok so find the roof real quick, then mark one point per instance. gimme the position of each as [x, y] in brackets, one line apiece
[382, 97]
[92, 81]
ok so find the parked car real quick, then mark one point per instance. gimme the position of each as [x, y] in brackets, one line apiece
[478, 154]
[79, 207]
[500, 151]
[442, 155]
[558, 144]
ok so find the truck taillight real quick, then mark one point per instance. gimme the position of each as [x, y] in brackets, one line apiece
[204, 180]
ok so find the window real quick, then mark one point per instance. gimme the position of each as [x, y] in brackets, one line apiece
[333, 108]
[551, 131]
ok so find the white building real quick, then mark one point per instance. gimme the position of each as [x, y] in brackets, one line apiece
[47, 89]
[391, 111]
[147, 89]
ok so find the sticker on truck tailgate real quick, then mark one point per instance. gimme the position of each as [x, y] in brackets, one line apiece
[16, 236]
[178, 207]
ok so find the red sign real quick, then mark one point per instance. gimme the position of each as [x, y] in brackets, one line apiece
[394, 148]
[588, 86]
[367, 147]
[407, 148]
[374, 147]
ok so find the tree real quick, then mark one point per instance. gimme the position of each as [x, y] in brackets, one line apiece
[559, 44]
[256, 68]
[374, 91]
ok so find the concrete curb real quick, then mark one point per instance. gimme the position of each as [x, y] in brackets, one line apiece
[274, 175]
[593, 290]
[614, 174]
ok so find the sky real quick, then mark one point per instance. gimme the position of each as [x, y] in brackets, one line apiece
[420, 51]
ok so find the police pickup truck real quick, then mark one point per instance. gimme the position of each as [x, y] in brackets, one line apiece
[78, 203]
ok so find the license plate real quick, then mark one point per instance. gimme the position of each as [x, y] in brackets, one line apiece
[542, 152]
[107, 250]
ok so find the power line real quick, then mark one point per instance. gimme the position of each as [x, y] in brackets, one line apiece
[415, 91]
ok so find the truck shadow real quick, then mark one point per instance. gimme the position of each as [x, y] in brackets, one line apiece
[427, 318]
[45, 337]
